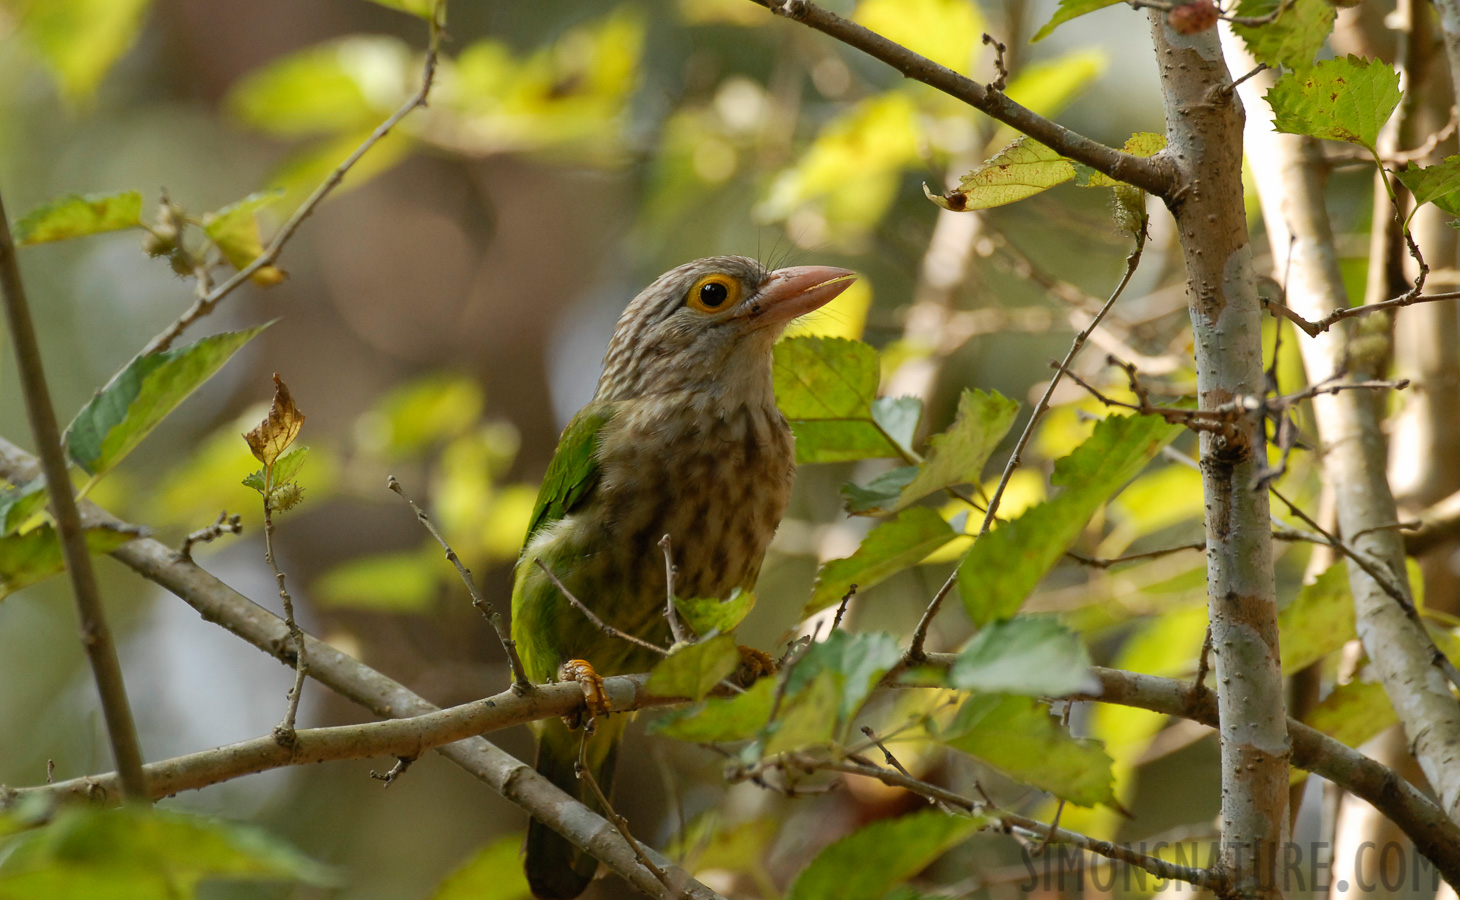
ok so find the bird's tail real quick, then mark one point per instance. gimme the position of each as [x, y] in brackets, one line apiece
[556, 870]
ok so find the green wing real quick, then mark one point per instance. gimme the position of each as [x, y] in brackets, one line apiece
[574, 469]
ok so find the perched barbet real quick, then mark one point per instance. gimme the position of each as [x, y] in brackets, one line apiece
[682, 438]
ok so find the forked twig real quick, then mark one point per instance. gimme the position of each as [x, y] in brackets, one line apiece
[593, 617]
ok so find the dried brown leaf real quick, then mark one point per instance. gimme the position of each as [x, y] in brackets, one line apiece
[277, 431]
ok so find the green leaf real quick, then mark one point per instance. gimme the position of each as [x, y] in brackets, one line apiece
[1293, 39]
[1031, 655]
[493, 873]
[735, 718]
[808, 717]
[707, 614]
[426, 9]
[36, 555]
[1438, 184]
[339, 86]
[19, 503]
[880, 495]
[1003, 567]
[76, 215]
[872, 860]
[1319, 621]
[1021, 170]
[958, 455]
[1018, 736]
[898, 418]
[856, 662]
[80, 40]
[144, 854]
[692, 670]
[1353, 713]
[945, 31]
[141, 395]
[235, 230]
[1343, 99]
[386, 582]
[285, 468]
[1142, 143]
[886, 550]
[415, 417]
[1069, 9]
[825, 387]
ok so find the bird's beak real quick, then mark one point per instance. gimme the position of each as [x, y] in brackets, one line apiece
[788, 293]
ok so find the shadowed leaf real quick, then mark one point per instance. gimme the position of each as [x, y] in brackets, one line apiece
[691, 670]
[886, 550]
[18, 503]
[1438, 184]
[492, 873]
[1353, 713]
[36, 555]
[735, 718]
[868, 863]
[1018, 736]
[707, 614]
[1031, 655]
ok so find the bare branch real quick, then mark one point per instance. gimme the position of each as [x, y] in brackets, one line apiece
[96, 636]
[1149, 174]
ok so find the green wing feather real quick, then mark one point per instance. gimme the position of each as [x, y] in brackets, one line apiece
[574, 468]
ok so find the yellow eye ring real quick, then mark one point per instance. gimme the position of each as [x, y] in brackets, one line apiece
[714, 293]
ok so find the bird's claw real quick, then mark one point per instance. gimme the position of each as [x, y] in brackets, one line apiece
[595, 698]
[754, 665]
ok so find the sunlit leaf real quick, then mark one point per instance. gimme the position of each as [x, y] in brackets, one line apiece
[1021, 170]
[825, 387]
[141, 395]
[1069, 9]
[303, 171]
[868, 863]
[426, 9]
[1293, 39]
[1319, 621]
[1343, 99]
[1438, 184]
[692, 670]
[958, 455]
[886, 550]
[1018, 736]
[707, 614]
[492, 873]
[75, 215]
[340, 86]
[143, 853]
[734, 718]
[1353, 713]
[1048, 86]
[235, 230]
[36, 555]
[80, 40]
[285, 469]
[1005, 565]
[413, 417]
[387, 582]
[844, 317]
[1031, 655]
[945, 31]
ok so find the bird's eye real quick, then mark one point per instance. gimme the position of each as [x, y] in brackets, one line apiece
[713, 293]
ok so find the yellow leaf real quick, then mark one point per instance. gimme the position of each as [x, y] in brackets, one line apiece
[271, 437]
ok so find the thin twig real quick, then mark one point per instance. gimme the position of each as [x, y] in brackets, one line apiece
[96, 636]
[592, 617]
[915, 650]
[676, 629]
[284, 731]
[205, 303]
[1318, 326]
[841, 608]
[401, 764]
[520, 682]
[1097, 563]
[619, 822]
[226, 524]
[1249, 21]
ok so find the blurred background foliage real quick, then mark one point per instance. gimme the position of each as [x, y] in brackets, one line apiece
[445, 312]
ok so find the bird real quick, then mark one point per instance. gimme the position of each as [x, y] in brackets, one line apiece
[682, 444]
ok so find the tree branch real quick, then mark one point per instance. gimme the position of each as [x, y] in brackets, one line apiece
[216, 602]
[96, 636]
[1152, 175]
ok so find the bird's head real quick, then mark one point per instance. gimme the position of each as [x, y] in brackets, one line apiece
[710, 325]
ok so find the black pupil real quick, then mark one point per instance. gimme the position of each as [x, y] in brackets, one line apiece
[713, 294]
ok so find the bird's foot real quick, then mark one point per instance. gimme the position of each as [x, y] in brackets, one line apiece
[595, 698]
[754, 665]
